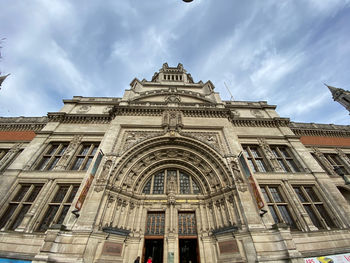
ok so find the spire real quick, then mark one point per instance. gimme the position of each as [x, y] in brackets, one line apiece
[341, 96]
[335, 91]
[2, 78]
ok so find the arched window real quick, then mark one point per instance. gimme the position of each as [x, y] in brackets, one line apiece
[185, 183]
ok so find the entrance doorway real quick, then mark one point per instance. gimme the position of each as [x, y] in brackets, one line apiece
[188, 251]
[153, 248]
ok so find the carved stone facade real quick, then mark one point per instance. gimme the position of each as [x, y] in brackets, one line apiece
[171, 171]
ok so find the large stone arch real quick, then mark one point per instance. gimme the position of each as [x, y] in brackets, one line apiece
[142, 159]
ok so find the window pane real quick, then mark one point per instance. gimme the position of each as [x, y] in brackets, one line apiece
[254, 152]
[325, 216]
[312, 194]
[267, 198]
[184, 184]
[292, 166]
[53, 164]
[62, 150]
[147, 188]
[286, 216]
[275, 153]
[282, 165]
[313, 216]
[187, 224]
[72, 194]
[49, 216]
[21, 193]
[87, 164]
[60, 194]
[7, 215]
[158, 185]
[20, 217]
[63, 214]
[273, 213]
[34, 193]
[94, 150]
[78, 163]
[52, 150]
[43, 163]
[155, 224]
[84, 150]
[251, 165]
[275, 194]
[195, 187]
[300, 194]
[261, 165]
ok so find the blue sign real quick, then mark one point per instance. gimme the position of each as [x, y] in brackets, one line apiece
[10, 260]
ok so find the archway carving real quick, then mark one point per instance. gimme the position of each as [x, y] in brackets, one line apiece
[139, 162]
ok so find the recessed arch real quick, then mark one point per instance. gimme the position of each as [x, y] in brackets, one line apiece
[200, 159]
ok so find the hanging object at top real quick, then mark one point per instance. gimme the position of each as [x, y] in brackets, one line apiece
[187, 1]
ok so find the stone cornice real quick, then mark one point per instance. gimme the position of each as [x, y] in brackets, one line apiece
[78, 118]
[22, 123]
[261, 122]
[313, 129]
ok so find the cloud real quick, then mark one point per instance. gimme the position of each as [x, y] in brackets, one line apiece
[279, 51]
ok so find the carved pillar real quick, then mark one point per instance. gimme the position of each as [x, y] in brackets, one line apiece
[216, 216]
[204, 217]
[139, 217]
[68, 154]
[229, 213]
[271, 158]
[210, 216]
[132, 211]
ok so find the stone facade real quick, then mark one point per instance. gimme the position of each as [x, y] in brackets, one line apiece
[171, 171]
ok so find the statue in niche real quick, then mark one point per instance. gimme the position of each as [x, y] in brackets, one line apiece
[236, 171]
[171, 183]
[105, 171]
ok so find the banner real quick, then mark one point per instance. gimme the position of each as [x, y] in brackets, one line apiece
[248, 174]
[340, 258]
[88, 183]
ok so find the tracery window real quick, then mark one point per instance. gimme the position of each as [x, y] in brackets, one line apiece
[255, 158]
[52, 155]
[278, 207]
[314, 207]
[336, 162]
[58, 207]
[84, 157]
[19, 206]
[285, 158]
[187, 224]
[184, 183]
[155, 224]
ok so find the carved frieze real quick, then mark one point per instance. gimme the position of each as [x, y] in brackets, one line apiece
[132, 138]
[257, 113]
[209, 138]
[83, 109]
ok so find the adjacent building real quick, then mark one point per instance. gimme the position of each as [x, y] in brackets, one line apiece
[173, 172]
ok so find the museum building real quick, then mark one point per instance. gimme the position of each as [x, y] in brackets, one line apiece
[172, 172]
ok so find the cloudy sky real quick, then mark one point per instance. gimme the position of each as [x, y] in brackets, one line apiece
[280, 51]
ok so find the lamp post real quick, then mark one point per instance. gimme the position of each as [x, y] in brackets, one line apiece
[340, 172]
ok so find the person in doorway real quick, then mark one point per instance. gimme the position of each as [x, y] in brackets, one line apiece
[137, 260]
[149, 260]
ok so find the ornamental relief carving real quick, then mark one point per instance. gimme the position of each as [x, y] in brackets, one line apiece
[209, 138]
[269, 154]
[130, 177]
[104, 176]
[132, 138]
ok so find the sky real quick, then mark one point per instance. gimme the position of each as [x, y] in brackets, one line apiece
[279, 51]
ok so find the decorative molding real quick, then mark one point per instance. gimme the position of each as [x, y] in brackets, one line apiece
[132, 138]
[314, 129]
[269, 155]
[211, 139]
[22, 123]
[78, 118]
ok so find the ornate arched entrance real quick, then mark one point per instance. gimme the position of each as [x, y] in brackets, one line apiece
[170, 194]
